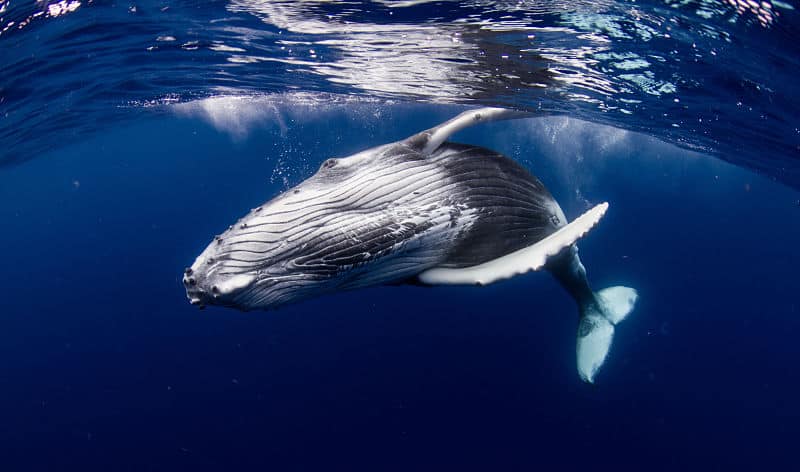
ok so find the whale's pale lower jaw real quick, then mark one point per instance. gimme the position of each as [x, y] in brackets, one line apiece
[249, 291]
[202, 298]
[202, 295]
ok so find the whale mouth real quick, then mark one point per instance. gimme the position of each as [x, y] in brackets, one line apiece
[201, 291]
[204, 289]
[197, 302]
[194, 292]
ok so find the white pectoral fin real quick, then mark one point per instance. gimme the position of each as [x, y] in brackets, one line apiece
[434, 137]
[524, 260]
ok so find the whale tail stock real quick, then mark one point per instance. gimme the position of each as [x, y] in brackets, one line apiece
[599, 311]
[599, 314]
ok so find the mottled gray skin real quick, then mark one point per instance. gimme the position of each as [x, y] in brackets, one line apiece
[382, 216]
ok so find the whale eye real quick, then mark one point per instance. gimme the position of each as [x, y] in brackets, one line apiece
[329, 163]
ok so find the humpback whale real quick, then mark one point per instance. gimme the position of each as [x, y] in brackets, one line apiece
[423, 210]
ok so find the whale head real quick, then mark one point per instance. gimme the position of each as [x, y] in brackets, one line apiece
[293, 247]
[265, 259]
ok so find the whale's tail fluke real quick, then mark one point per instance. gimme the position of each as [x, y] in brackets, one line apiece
[599, 315]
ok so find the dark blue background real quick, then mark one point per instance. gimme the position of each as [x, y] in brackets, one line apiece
[105, 365]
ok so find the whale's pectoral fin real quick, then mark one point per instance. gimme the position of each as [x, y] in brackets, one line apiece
[524, 260]
[430, 140]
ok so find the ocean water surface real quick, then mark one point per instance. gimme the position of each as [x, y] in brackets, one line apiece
[131, 133]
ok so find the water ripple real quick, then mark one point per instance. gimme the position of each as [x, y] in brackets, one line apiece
[718, 76]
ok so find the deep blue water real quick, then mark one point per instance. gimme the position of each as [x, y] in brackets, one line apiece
[118, 168]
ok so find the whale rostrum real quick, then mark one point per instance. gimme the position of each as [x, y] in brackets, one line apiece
[423, 210]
